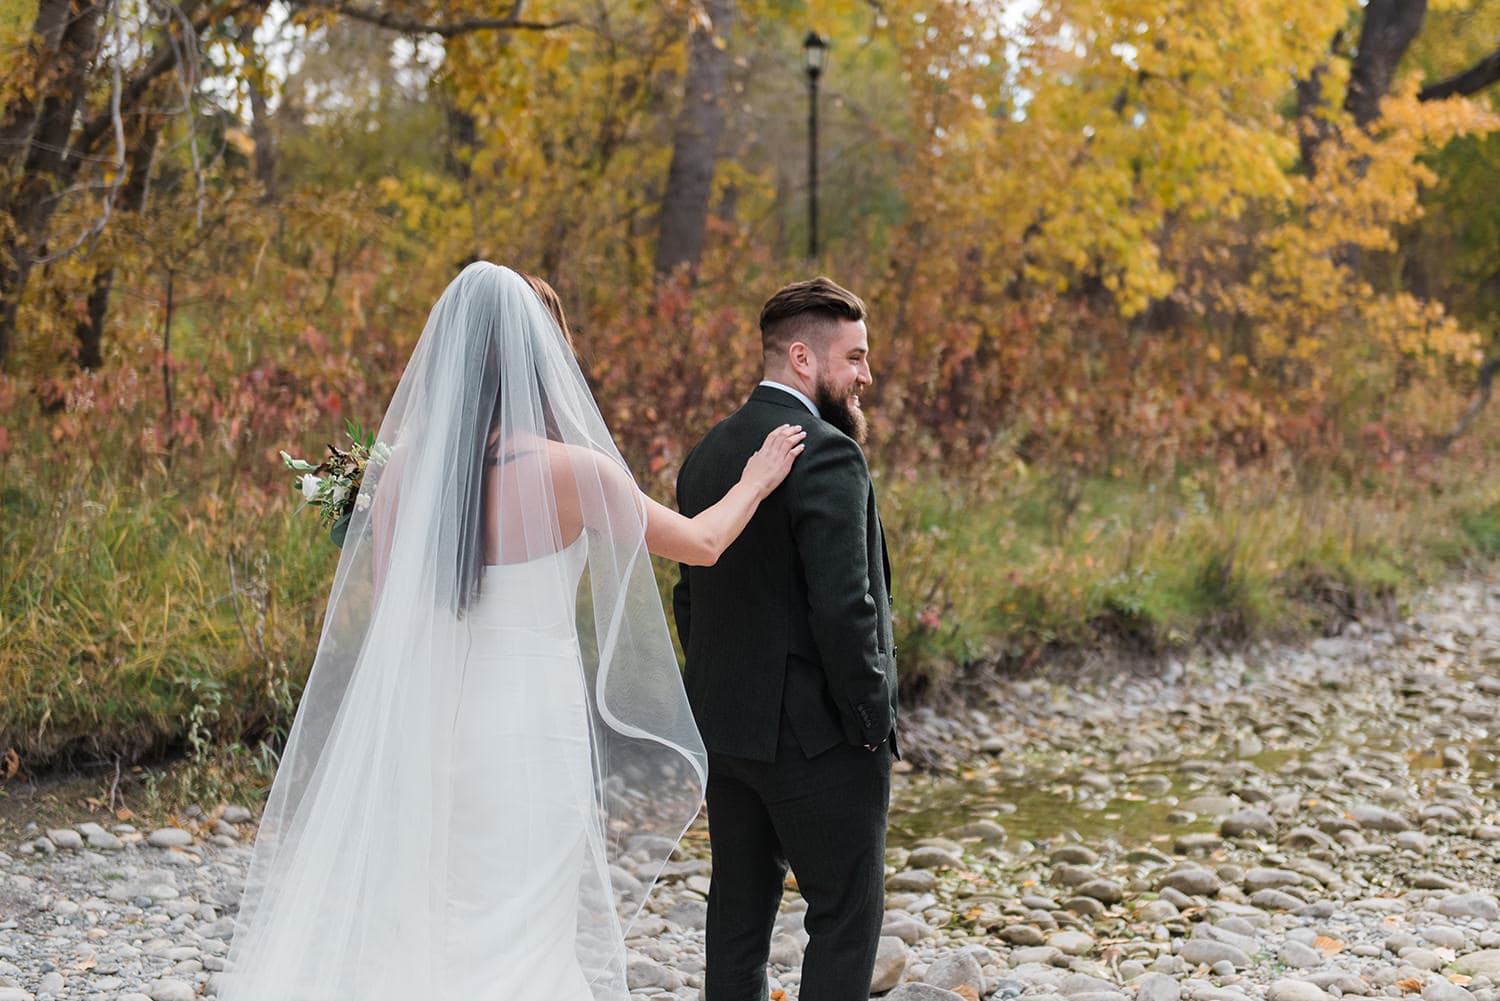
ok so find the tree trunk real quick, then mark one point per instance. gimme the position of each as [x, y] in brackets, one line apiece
[1387, 32]
[90, 330]
[695, 146]
[260, 132]
[41, 131]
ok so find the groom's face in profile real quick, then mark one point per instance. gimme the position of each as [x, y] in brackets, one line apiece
[843, 372]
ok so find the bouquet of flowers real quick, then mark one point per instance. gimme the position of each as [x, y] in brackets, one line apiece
[333, 485]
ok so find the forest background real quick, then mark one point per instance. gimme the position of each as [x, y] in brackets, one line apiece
[1184, 315]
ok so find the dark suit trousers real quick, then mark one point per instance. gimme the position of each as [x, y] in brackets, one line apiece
[826, 817]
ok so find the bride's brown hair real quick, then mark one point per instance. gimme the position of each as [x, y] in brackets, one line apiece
[550, 299]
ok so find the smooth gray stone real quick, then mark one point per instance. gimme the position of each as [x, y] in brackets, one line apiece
[1440, 988]
[1423, 959]
[1082, 983]
[930, 857]
[1295, 990]
[786, 951]
[1193, 881]
[1484, 963]
[1247, 822]
[66, 839]
[170, 990]
[913, 880]
[890, 964]
[1157, 987]
[1105, 891]
[1043, 955]
[1445, 937]
[1023, 935]
[1270, 879]
[902, 925]
[1300, 956]
[955, 970]
[1072, 943]
[169, 837]
[1206, 952]
[922, 992]
[1156, 911]
[1374, 818]
[1074, 855]
[1275, 900]
[1470, 905]
[986, 831]
[645, 973]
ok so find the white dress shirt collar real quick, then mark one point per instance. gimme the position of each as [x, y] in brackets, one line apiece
[809, 404]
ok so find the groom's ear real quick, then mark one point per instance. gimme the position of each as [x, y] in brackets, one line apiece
[800, 357]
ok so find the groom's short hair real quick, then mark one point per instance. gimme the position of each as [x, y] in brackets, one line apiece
[802, 311]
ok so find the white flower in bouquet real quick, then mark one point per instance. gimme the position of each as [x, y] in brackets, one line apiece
[332, 487]
[310, 486]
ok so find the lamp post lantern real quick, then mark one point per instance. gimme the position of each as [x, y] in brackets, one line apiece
[815, 53]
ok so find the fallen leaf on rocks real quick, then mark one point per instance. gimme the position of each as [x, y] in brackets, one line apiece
[966, 992]
[1328, 946]
[778, 995]
[1411, 985]
[10, 765]
[1460, 979]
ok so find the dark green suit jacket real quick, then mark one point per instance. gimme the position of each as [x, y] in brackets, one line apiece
[796, 614]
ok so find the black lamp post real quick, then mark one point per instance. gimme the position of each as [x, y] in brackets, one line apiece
[815, 51]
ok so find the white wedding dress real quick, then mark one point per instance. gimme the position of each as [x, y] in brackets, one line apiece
[490, 763]
[518, 879]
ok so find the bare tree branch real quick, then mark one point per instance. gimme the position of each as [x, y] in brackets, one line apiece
[1484, 385]
[1471, 81]
[416, 26]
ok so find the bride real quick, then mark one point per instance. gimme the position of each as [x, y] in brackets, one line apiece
[490, 763]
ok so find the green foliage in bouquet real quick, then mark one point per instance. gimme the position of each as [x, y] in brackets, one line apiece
[333, 486]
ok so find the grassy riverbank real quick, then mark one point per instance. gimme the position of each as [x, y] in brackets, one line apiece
[151, 614]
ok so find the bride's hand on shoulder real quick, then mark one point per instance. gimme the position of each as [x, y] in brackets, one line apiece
[769, 465]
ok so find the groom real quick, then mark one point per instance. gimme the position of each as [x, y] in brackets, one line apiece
[790, 667]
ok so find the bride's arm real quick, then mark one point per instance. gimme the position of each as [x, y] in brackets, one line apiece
[700, 541]
[697, 541]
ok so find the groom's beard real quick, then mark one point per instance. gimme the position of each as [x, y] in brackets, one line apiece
[840, 407]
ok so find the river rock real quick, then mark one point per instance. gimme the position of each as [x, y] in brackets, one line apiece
[890, 964]
[1470, 905]
[1041, 955]
[169, 837]
[986, 831]
[1071, 943]
[170, 990]
[1207, 952]
[646, 973]
[913, 880]
[1274, 900]
[931, 857]
[1023, 935]
[1484, 963]
[922, 992]
[1074, 855]
[1157, 987]
[66, 839]
[1440, 988]
[1299, 956]
[955, 970]
[1270, 879]
[1247, 822]
[903, 926]
[14, 994]
[1193, 880]
[1295, 990]
[1105, 891]
[1374, 818]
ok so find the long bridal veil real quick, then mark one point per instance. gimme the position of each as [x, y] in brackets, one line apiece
[353, 880]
